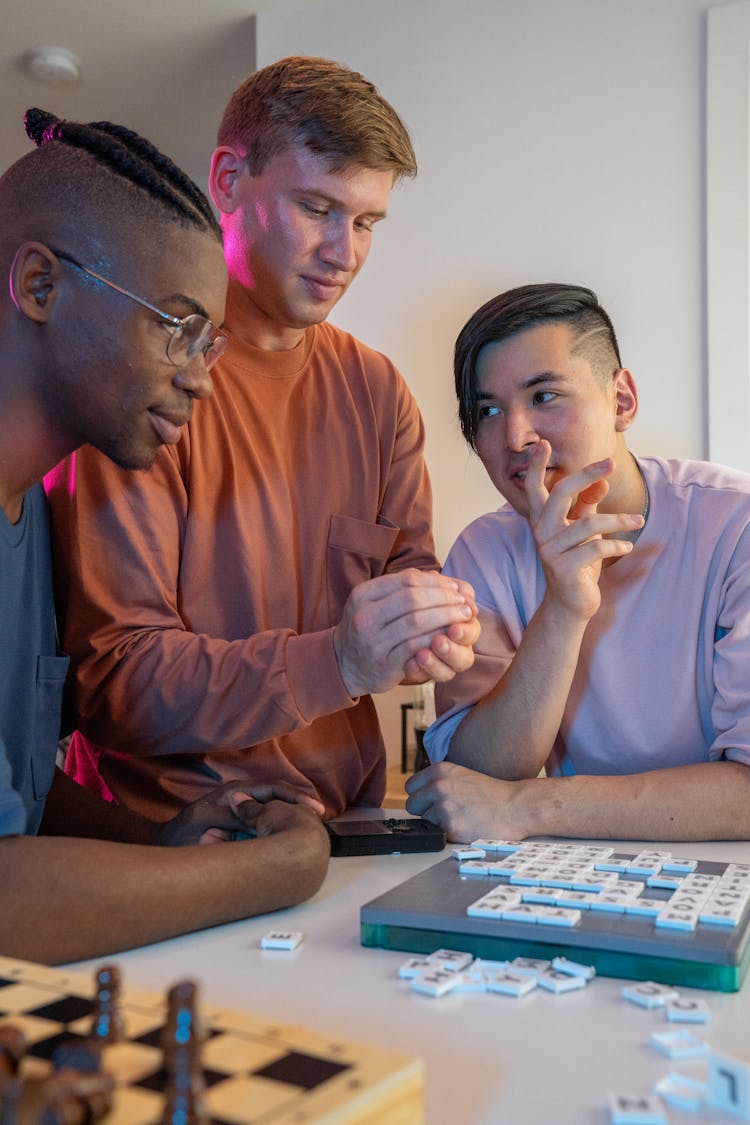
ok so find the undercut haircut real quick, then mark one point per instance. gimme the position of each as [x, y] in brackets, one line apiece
[103, 173]
[332, 110]
[526, 307]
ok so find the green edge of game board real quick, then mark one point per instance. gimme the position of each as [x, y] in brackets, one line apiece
[667, 970]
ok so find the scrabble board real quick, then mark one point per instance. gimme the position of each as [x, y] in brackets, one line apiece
[257, 1071]
[644, 916]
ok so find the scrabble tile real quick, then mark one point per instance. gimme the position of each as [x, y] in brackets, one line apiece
[485, 965]
[554, 981]
[574, 968]
[578, 900]
[711, 915]
[630, 887]
[679, 1044]
[683, 1092]
[649, 994]
[511, 984]
[487, 909]
[650, 907]
[529, 876]
[472, 867]
[497, 845]
[729, 1085]
[435, 982]
[665, 881]
[502, 868]
[543, 895]
[558, 916]
[523, 912]
[452, 960]
[413, 967]
[528, 966]
[687, 1010]
[468, 852]
[677, 919]
[594, 882]
[613, 863]
[471, 981]
[281, 939]
[678, 866]
[612, 904]
[636, 1109]
[738, 869]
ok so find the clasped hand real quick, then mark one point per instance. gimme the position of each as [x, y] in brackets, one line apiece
[239, 807]
[410, 626]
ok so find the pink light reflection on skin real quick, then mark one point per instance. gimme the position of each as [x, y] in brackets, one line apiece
[51, 479]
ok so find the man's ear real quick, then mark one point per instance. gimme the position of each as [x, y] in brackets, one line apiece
[34, 274]
[227, 169]
[626, 400]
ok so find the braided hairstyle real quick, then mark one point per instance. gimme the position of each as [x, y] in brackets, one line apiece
[130, 157]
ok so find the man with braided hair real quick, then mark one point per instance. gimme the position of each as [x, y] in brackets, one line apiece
[116, 281]
[294, 571]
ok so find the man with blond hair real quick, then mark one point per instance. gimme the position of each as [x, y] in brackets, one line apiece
[277, 566]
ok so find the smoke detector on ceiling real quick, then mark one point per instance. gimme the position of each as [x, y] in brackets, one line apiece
[55, 66]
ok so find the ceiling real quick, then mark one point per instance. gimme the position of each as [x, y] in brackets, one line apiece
[163, 68]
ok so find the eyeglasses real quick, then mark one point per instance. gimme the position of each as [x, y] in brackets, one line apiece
[190, 337]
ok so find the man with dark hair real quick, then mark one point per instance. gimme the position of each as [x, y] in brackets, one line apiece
[116, 281]
[613, 593]
[277, 566]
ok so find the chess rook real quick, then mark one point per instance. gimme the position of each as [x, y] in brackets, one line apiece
[182, 1043]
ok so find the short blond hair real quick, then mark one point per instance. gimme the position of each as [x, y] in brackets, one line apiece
[333, 110]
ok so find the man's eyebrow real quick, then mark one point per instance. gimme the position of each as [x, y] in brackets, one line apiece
[545, 377]
[192, 304]
[535, 380]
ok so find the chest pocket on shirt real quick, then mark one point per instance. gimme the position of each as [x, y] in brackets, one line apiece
[356, 551]
[50, 679]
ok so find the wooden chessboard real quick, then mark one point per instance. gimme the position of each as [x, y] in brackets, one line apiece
[258, 1072]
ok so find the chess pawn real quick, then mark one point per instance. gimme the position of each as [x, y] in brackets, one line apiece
[182, 1043]
[107, 1023]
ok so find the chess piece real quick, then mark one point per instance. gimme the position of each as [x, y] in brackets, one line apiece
[12, 1049]
[182, 1043]
[61, 1098]
[82, 1055]
[107, 1023]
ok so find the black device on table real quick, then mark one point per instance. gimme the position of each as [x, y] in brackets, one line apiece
[382, 836]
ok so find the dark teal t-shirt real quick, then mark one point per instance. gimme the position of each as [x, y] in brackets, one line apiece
[32, 673]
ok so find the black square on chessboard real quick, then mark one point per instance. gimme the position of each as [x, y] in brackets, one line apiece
[46, 1048]
[153, 1038]
[157, 1079]
[305, 1071]
[65, 1010]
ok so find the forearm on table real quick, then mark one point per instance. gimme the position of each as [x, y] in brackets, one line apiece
[706, 801]
[71, 810]
[67, 900]
[509, 733]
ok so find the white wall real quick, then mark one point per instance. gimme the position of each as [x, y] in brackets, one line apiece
[558, 140]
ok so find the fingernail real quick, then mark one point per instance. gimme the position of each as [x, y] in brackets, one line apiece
[466, 611]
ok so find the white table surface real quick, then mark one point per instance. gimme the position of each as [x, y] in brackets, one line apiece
[490, 1060]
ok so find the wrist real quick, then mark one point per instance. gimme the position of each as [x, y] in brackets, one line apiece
[524, 809]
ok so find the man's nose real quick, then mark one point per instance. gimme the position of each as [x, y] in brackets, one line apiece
[338, 247]
[519, 430]
[195, 379]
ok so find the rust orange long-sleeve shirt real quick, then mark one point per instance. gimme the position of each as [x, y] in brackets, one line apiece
[198, 600]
